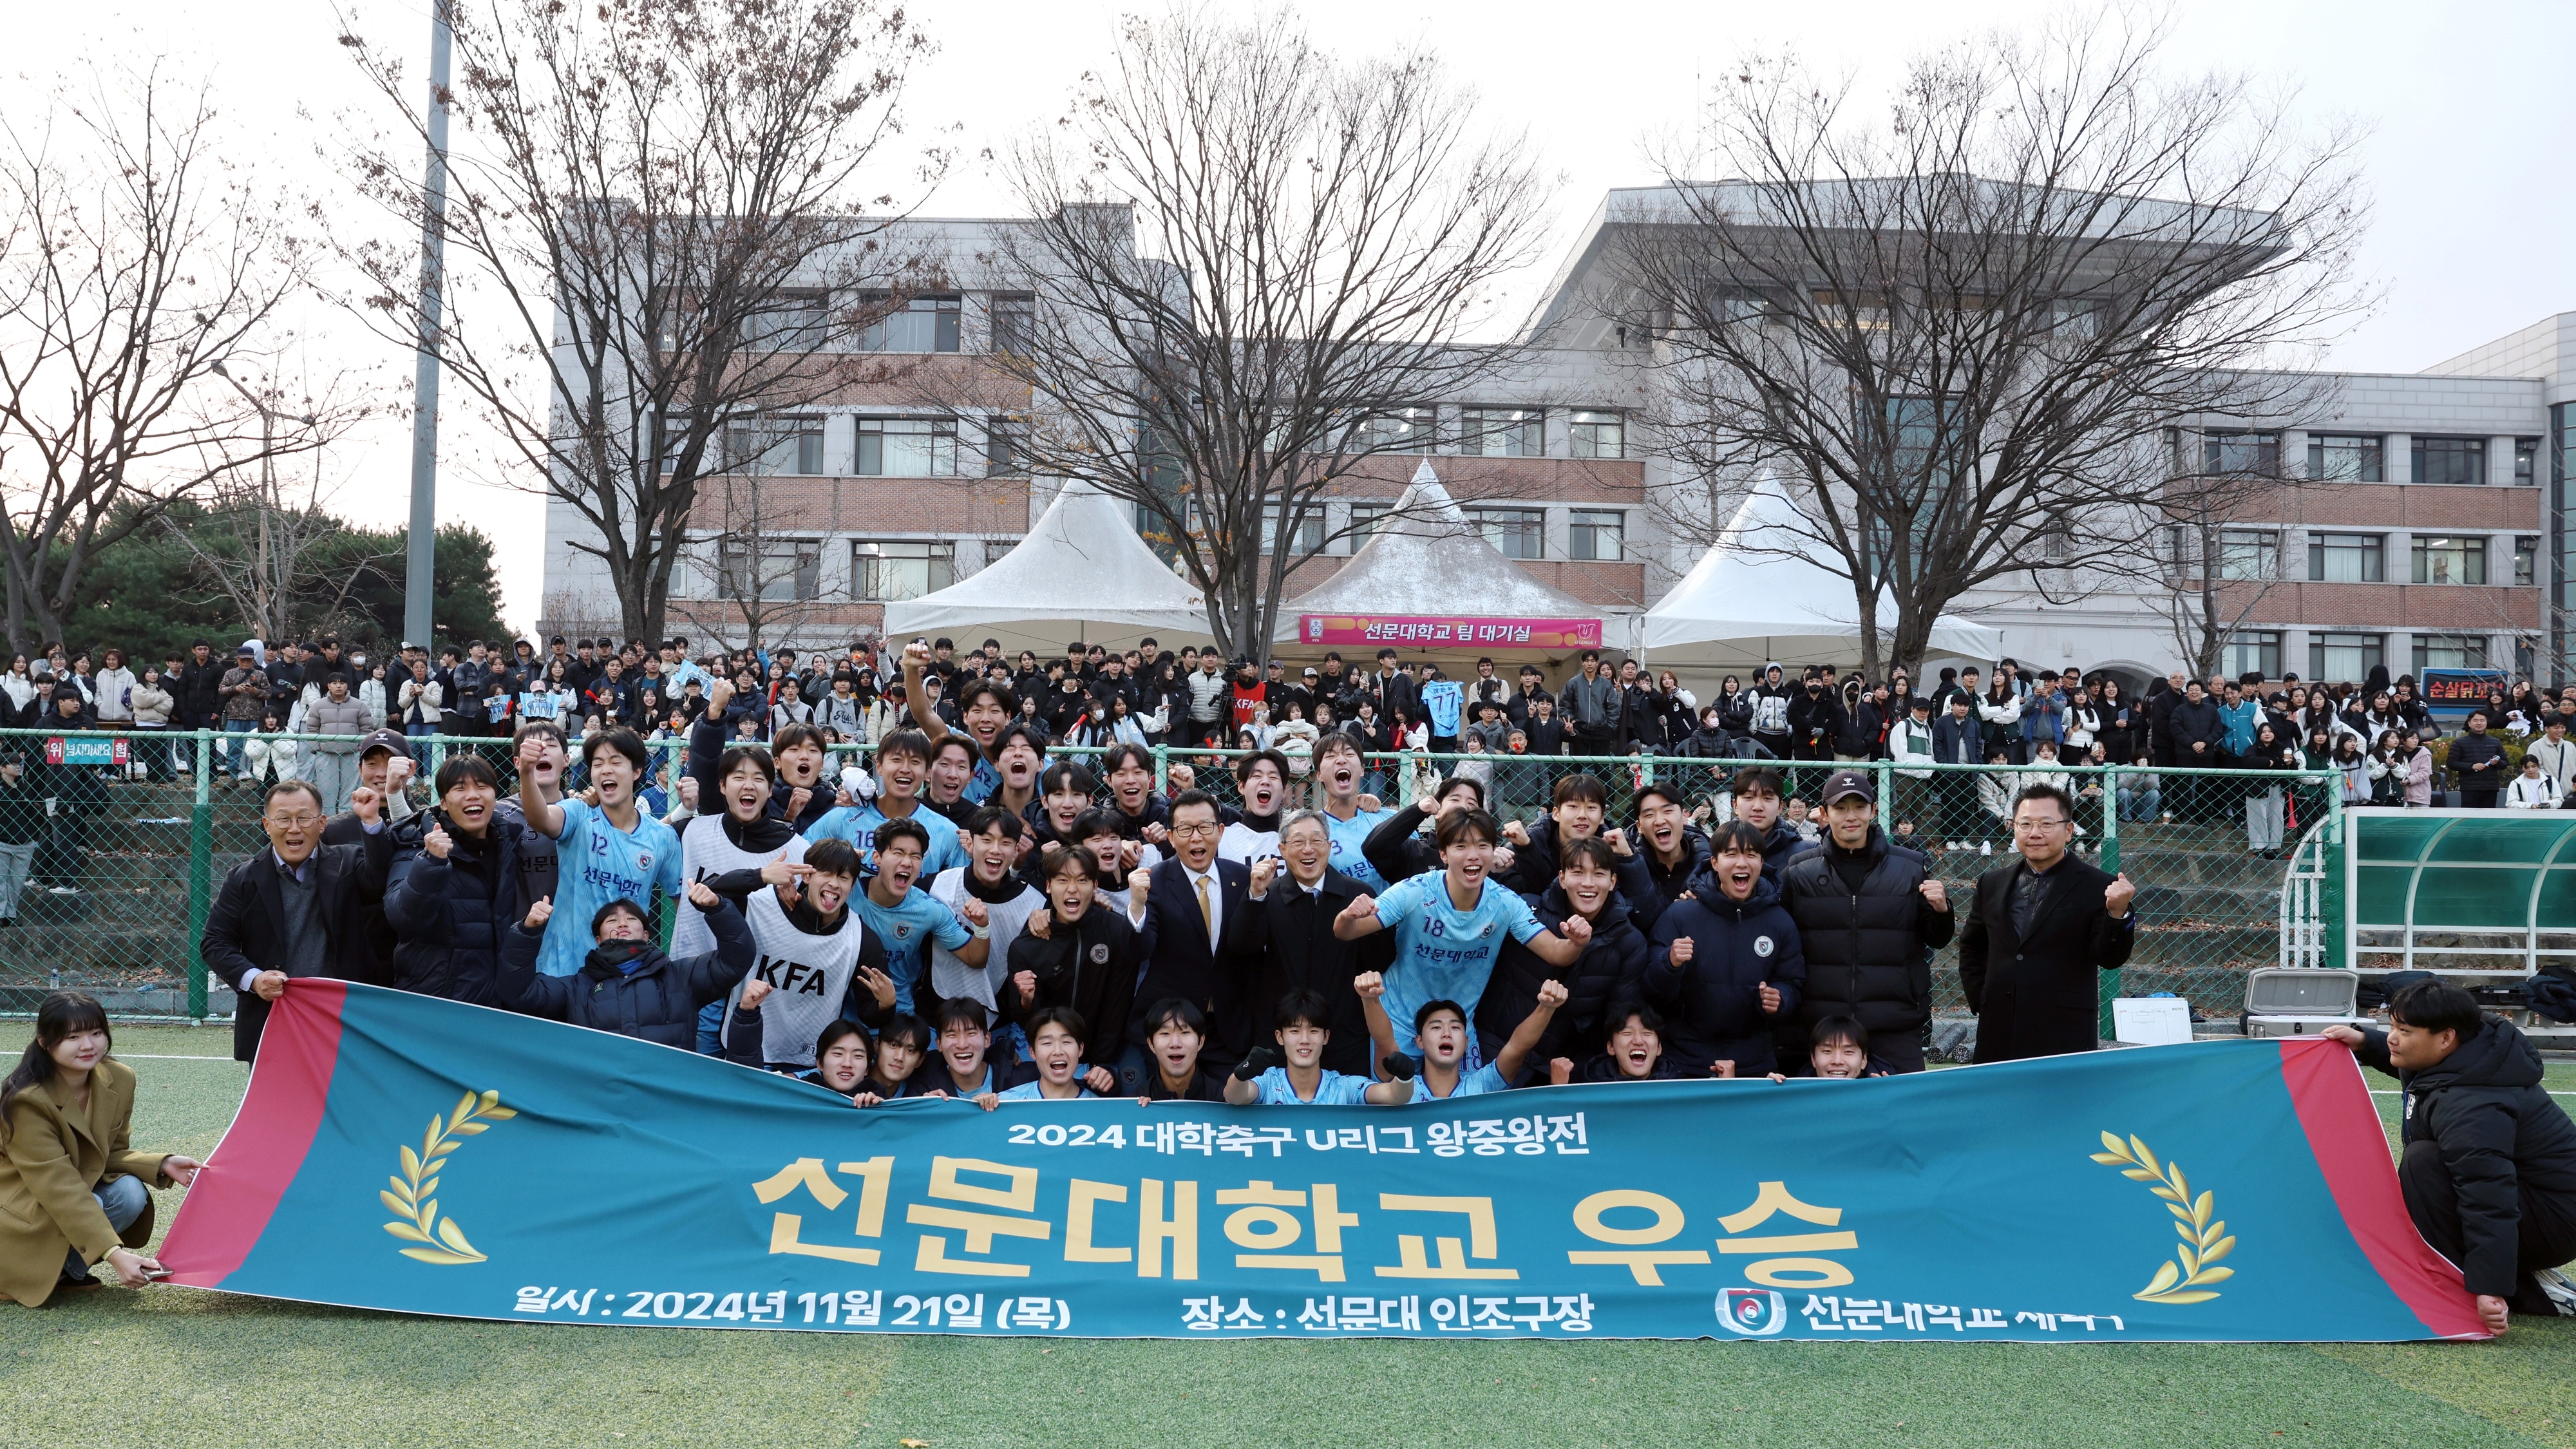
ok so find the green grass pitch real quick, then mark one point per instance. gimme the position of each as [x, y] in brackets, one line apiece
[177, 1367]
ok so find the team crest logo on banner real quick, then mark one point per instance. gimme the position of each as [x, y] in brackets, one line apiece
[1753, 1312]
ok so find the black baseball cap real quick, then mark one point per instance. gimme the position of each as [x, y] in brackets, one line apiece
[1849, 782]
[384, 740]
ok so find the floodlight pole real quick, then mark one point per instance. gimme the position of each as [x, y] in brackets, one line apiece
[421, 560]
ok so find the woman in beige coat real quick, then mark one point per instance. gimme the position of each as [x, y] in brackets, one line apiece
[72, 1193]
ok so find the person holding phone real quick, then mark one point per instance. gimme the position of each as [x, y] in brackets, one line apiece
[73, 1195]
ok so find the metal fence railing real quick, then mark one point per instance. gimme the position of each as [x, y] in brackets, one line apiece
[131, 833]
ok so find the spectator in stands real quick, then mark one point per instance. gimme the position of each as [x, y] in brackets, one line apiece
[2489, 1162]
[77, 1192]
[2477, 761]
[1870, 915]
[2042, 930]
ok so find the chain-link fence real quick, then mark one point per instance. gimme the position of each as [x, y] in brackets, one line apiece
[115, 843]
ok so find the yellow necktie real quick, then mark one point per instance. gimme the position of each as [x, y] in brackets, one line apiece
[1207, 910]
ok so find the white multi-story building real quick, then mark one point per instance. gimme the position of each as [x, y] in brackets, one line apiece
[2427, 527]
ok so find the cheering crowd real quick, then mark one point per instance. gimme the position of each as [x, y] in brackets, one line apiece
[963, 916]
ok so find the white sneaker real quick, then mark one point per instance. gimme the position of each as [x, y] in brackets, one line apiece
[2560, 1292]
[1986, 848]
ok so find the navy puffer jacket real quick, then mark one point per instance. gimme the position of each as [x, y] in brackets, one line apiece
[658, 1001]
[1609, 967]
[450, 917]
[1712, 1004]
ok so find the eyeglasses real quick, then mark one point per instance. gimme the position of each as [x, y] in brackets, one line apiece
[305, 821]
[2036, 827]
[1205, 828]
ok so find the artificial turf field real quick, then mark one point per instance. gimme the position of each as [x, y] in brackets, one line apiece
[173, 1366]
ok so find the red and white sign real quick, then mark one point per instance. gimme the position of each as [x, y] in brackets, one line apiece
[1421, 631]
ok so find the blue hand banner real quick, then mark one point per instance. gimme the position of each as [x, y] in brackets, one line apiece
[404, 1153]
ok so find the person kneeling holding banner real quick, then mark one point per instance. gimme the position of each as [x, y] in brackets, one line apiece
[2489, 1168]
[626, 985]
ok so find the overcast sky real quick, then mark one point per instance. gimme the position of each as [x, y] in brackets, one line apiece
[2466, 107]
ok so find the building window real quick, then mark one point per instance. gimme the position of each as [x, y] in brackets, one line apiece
[2344, 658]
[1015, 316]
[1306, 538]
[892, 570]
[2254, 651]
[2451, 460]
[2450, 559]
[779, 571]
[2526, 462]
[1596, 534]
[1518, 532]
[1598, 435]
[1398, 430]
[1364, 517]
[2526, 559]
[907, 447]
[790, 322]
[918, 324]
[2240, 452]
[2346, 558]
[2450, 651]
[2345, 458]
[2249, 554]
[776, 445]
[1501, 433]
[1006, 442]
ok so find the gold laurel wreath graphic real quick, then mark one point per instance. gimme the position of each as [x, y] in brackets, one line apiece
[2204, 1242]
[409, 1197]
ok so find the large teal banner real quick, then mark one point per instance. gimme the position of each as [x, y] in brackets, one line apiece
[405, 1153]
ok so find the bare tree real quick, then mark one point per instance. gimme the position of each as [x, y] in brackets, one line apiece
[277, 554]
[668, 218]
[765, 554]
[1954, 335]
[134, 262]
[1251, 265]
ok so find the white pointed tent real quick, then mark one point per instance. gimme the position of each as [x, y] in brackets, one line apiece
[1080, 573]
[1751, 600]
[1425, 559]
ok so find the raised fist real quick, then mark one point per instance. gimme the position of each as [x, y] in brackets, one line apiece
[436, 843]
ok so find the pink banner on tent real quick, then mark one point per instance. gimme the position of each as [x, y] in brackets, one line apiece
[1423, 631]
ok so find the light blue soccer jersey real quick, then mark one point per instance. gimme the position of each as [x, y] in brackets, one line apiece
[598, 863]
[1470, 1084]
[902, 928]
[1029, 1092]
[1349, 836]
[1443, 953]
[858, 824]
[981, 785]
[1333, 1090]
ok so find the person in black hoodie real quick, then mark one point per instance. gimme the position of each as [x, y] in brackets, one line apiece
[1581, 812]
[1870, 915]
[2199, 742]
[1815, 719]
[1291, 946]
[1675, 850]
[453, 891]
[1396, 849]
[2489, 1167]
[626, 985]
[1076, 953]
[1755, 795]
[1612, 965]
[1726, 963]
